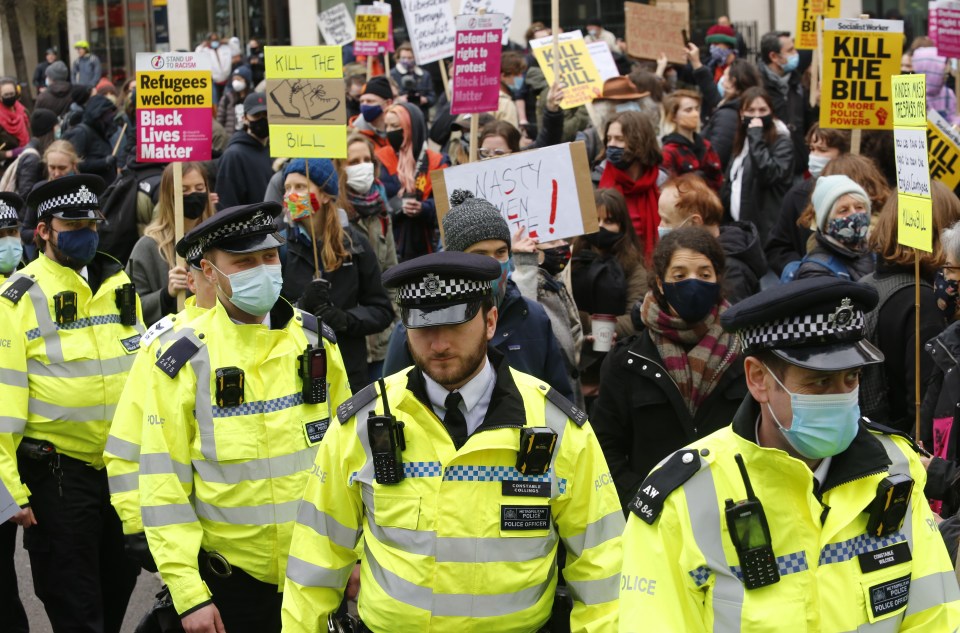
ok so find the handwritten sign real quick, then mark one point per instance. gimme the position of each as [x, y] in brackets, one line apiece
[374, 35]
[603, 60]
[577, 70]
[944, 27]
[914, 207]
[943, 150]
[859, 58]
[336, 25]
[808, 12]
[476, 64]
[174, 101]
[430, 26]
[547, 191]
[306, 104]
[503, 7]
[651, 30]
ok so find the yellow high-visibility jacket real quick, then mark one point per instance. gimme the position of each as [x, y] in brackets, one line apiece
[681, 571]
[122, 453]
[465, 542]
[229, 477]
[61, 382]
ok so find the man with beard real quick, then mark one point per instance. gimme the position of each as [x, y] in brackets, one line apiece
[462, 475]
[91, 139]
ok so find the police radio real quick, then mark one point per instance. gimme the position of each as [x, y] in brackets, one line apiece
[126, 299]
[750, 534]
[387, 443]
[313, 373]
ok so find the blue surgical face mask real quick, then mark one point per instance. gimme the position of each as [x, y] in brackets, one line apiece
[792, 62]
[500, 283]
[615, 156]
[79, 245]
[518, 83]
[663, 231]
[692, 298]
[370, 113]
[823, 425]
[11, 251]
[720, 86]
[255, 290]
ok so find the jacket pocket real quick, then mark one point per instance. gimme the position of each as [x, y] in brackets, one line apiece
[886, 594]
[396, 511]
[235, 446]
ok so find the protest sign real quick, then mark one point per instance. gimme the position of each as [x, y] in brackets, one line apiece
[603, 60]
[808, 12]
[430, 28]
[373, 27]
[944, 27]
[943, 150]
[580, 76]
[859, 58]
[654, 30]
[337, 25]
[306, 105]
[503, 7]
[915, 211]
[546, 191]
[476, 64]
[174, 107]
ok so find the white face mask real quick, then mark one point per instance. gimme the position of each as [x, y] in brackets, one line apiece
[360, 177]
[816, 163]
[239, 85]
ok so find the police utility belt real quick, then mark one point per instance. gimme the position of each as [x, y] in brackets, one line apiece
[45, 453]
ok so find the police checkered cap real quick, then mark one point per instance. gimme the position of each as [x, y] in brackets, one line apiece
[71, 197]
[445, 278]
[228, 226]
[9, 215]
[845, 323]
[433, 287]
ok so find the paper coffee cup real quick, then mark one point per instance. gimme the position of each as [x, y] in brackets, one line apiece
[602, 326]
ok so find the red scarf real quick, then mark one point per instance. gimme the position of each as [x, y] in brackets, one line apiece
[641, 195]
[14, 121]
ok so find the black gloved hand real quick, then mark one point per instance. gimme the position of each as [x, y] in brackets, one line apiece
[337, 319]
[111, 161]
[315, 296]
[135, 547]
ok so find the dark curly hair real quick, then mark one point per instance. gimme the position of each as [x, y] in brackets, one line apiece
[691, 237]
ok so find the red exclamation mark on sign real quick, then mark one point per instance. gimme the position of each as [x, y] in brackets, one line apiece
[553, 206]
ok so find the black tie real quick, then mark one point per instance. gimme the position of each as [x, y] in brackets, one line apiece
[453, 419]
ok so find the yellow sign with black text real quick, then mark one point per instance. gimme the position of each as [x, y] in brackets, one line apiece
[943, 150]
[580, 76]
[914, 206]
[808, 12]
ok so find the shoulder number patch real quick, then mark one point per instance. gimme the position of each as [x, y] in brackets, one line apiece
[361, 399]
[17, 288]
[176, 356]
[658, 485]
[573, 412]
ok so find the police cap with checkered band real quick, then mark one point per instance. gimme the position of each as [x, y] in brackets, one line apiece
[816, 323]
[244, 229]
[10, 206]
[445, 288]
[68, 198]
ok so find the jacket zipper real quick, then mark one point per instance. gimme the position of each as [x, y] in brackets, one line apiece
[857, 478]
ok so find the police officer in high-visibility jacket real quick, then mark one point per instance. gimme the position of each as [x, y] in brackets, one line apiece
[800, 515]
[11, 248]
[233, 411]
[463, 476]
[70, 327]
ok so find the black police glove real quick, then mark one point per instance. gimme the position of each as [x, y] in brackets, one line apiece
[135, 547]
[315, 296]
[111, 161]
[337, 319]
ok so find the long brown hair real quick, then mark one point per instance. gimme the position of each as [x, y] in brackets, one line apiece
[627, 250]
[860, 170]
[406, 161]
[747, 97]
[640, 140]
[163, 230]
[331, 239]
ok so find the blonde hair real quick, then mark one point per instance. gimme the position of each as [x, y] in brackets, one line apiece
[162, 229]
[62, 147]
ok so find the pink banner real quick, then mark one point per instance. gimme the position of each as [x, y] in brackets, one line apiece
[944, 28]
[476, 64]
[174, 134]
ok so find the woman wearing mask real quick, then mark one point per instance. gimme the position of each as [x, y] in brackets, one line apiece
[11, 248]
[684, 149]
[153, 265]
[363, 198]
[632, 167]
[681, 377]
[406, 164]
[346, 293]
[761, 169]
[842, 219]
[721, 127]
[607, 277]
[14, 119]
[230, 108]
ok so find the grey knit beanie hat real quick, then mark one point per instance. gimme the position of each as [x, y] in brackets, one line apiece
[471, 220]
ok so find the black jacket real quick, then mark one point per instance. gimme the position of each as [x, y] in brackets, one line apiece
[721, 130]
[640, 416]
[244, 172]
[940, 405]
[355, 288]
[745, 261]
[790, 106]
[91, 140]
[29, 169]
[787, 241]
[857, 264]
[56, 97]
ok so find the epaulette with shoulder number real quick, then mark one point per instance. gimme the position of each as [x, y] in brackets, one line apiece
[887, 430]
[312, 323]
[327, 332]
[156, 330]
[579, 416]
[176, 356]
[359, 400]
[17, 288]
[658, 485]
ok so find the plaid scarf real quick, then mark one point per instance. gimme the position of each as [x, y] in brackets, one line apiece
[694, 354]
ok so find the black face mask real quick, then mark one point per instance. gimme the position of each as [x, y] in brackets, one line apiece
[194, 204]
[9, 101]
[259, 128]
[767, 121]
[395, 138]
[603, 239]
[555, 259]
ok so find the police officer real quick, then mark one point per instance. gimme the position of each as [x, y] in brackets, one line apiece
[11, 248]
[230, 426]
[463, 476]
[71, 325]
[800, 515]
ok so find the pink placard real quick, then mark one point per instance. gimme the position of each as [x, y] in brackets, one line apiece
[174, 134]
[476, 64]
[944, 28]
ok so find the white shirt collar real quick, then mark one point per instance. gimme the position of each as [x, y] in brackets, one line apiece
[471, 392]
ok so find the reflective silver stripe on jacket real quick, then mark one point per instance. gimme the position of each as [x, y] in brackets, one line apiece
[163, 464]
[9, 424]
[255, 469]
[14, 378]
[127, 482]
[595, 591]
[596, 533]
[323, 524]
[556, 421]
[310, 575]
[170, 514]
[123, 449]
[93, 413]
[81, 368]
[266, 514]
[46, 328]
[203, 403]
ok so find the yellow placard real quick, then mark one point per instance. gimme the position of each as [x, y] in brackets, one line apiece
[174, 89]
[580, 76]
[915, 222]
[808, 11]
[373, 28]
[909, 100]
[859, 58]
[943, 151]
[308, 141]
[296, 62]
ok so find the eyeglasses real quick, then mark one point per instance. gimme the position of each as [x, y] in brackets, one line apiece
[493, 153]
[952, 269]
